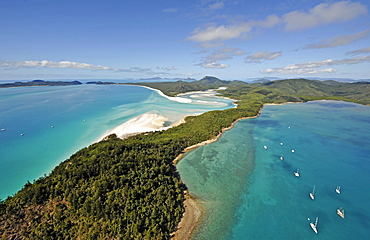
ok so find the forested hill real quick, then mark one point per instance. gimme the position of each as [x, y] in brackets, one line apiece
[299, 89]
[173, 88]
[39, 83]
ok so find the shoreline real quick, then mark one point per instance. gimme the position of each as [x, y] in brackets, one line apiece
[193, 211]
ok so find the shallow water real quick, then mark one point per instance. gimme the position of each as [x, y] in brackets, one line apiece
[249, 193]
[58, 121]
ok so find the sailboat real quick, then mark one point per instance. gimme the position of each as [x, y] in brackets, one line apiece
[338, 189]
[312, 194]
[296, 173]
[314, 226]
[340, 212]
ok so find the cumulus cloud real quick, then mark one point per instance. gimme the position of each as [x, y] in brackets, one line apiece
[220, 33]
[359, 51]
[323, 14]
[261, 56]
[75, 65]
[209, 64]
[339, 40]
[221, 54]
[314, 67]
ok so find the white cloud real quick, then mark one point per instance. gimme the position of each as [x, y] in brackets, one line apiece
[51, 64]
[269, 22]
[359, 51]
[339, 40]
[220, 33]
[323, 14]
[213, 65]
[311, 67]
[260, 56]
[225, 53]
[76, 65]
[216, 6]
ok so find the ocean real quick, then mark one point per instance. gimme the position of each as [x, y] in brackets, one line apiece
[248, 192]
[42, 126]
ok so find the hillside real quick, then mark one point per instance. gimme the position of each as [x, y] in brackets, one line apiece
[173, 88]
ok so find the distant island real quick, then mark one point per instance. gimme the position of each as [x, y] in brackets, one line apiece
[39, 83]
[130, 189]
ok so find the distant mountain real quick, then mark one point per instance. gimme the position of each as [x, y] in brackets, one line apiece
[39, 83]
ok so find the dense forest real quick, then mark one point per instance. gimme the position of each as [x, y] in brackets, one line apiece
[130, 189]
[39, 83]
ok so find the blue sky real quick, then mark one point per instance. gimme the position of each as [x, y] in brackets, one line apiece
[111, 39]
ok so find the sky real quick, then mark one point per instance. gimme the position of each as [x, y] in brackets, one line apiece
[228, 39]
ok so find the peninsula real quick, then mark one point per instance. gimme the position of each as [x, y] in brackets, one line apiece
[130, 189]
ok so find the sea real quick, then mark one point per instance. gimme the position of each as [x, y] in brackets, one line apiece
[244, 182]
[246, 186]
[43, 126]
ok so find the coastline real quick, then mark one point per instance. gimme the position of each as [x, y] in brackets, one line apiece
[193, 211]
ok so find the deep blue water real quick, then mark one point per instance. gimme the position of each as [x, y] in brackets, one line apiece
[58, 121]
[247, 192]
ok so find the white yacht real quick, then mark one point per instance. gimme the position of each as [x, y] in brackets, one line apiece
[340, 212]
[337, 190]
[312, 194]
[296, 173]
[314, 225]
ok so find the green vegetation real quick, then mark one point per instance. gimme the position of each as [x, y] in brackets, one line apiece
[129, 189]
[173, 88]
[39, 83]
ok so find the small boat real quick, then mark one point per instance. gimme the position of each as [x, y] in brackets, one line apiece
[3, 129]
[296, 173]
[340, 212]
[314, 226]
[293, 151]
[281, 158]
[337, 190]
[312, 194]
[52, 126]
[22, 134]
[265, 147]
[281, 144]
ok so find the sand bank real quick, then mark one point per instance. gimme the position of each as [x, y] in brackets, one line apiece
[148, 122]
[176, 99]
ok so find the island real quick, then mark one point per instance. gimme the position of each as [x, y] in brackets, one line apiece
[39, 83]
[130, 189]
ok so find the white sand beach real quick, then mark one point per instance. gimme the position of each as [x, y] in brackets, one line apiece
[147, 122]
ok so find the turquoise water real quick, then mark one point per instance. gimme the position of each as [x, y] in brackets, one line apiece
[249, 193]
[58, 121]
